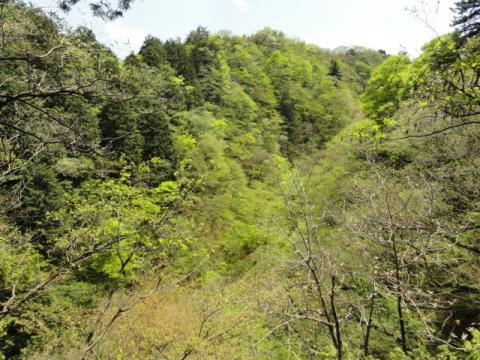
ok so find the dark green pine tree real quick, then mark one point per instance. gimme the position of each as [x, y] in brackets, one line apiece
[177, 55]
[335, 70]
[152, 51]
[119, 129]
[157, 135]
[203, 53]
[467, 18]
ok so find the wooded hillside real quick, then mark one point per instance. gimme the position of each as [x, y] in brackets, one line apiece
[237, 197]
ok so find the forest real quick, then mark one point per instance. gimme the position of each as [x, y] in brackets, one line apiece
[239, 197]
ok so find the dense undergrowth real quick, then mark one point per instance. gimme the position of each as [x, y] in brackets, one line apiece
[236, 197]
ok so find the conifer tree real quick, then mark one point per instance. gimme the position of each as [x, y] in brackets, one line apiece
[467, 19]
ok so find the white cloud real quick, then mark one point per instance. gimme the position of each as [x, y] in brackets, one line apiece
[131, 38]
[242, 5]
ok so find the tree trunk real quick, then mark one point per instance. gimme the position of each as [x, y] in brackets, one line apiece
[401, 320]
[338, 333]
[369, 322]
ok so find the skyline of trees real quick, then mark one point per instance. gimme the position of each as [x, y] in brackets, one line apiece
[224, 196]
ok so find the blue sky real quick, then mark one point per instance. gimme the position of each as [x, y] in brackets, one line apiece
[379, 24]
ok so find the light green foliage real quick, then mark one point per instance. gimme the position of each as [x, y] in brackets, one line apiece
[387, 87]
[131, 218]
[242, 173]
[74, 167]
[21, 264]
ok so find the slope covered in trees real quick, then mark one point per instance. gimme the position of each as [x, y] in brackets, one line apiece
[236, 197]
